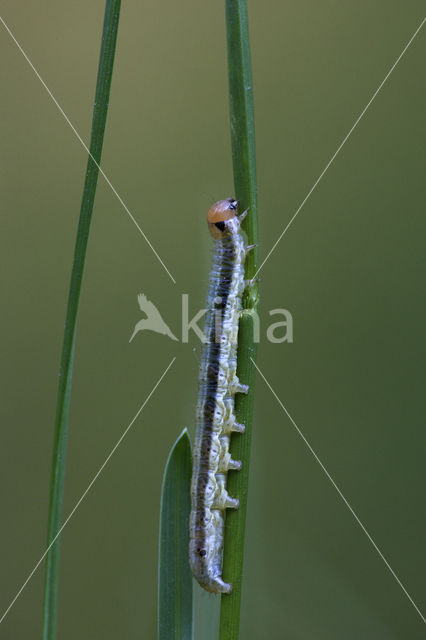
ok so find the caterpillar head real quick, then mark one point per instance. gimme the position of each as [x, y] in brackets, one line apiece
[222, 218]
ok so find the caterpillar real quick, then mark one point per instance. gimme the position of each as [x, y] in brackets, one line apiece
[218, 384]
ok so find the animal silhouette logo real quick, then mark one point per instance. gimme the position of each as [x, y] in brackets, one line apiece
[153, 320]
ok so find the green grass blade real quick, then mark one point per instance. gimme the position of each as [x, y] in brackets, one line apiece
[175, 613]
[244, 165]
[241, 112]
[106, 60]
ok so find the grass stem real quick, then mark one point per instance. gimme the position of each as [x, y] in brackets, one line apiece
[244, 166]
[103, 85]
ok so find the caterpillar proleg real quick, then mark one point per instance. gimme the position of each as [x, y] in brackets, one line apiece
[218, 384]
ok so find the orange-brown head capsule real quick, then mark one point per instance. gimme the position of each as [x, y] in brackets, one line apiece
[219, 216]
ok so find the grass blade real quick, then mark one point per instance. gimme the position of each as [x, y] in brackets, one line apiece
[174, 576]
[244, 165]
[103, 85]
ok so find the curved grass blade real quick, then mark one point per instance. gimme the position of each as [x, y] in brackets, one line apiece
[175, 606]
[244, 165]
[103, 85]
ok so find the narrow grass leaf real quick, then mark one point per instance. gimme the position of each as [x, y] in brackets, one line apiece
[175, 606]
[106, 61]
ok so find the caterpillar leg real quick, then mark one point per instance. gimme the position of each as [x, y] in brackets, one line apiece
[251, 282]
[226, 463]
[238, 427]
[219, 586]
[231, 425]
[237, 387]
[224, 501]
[242, 216]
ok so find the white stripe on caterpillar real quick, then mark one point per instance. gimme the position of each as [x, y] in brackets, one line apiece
[218, 383]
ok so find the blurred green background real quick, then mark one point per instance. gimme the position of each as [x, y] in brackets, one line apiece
[350, 270]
